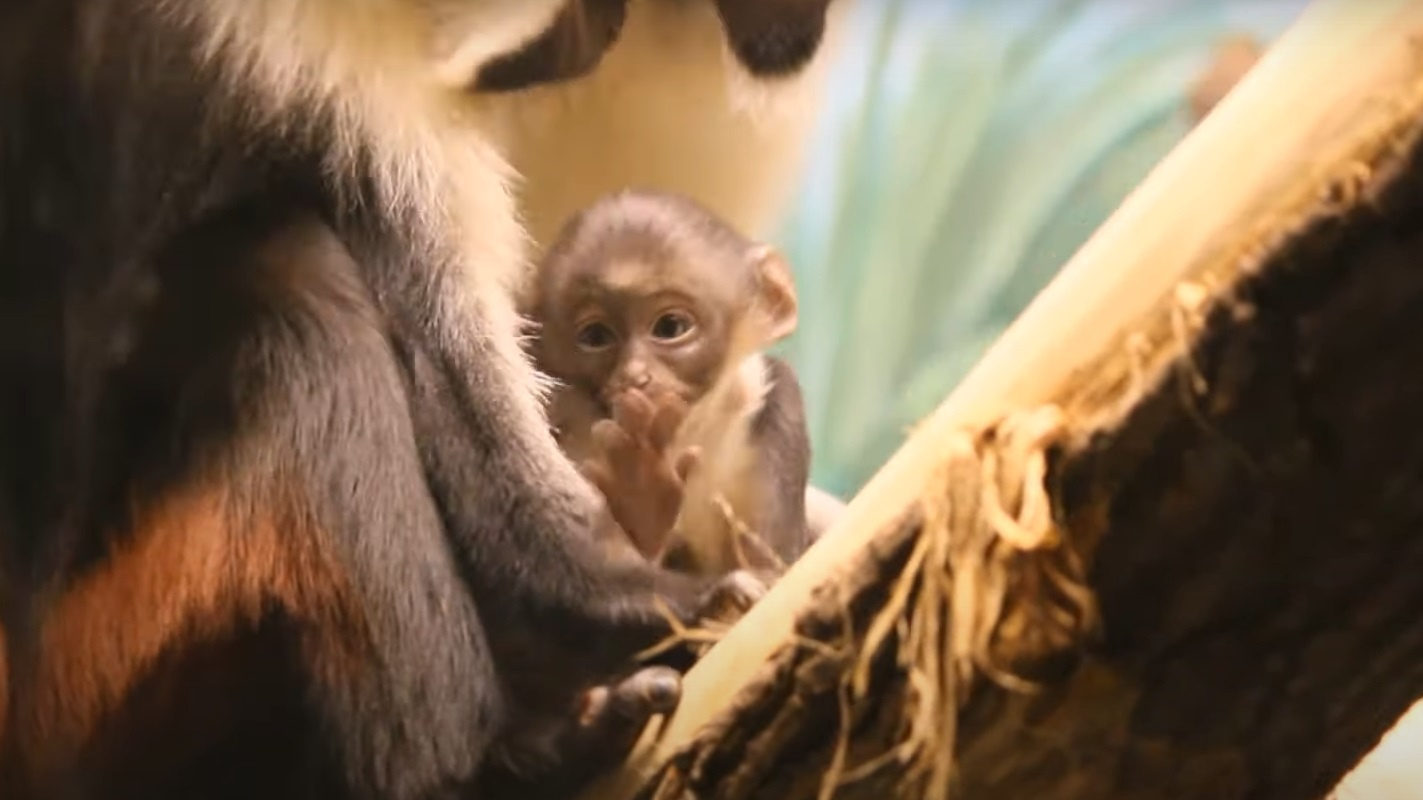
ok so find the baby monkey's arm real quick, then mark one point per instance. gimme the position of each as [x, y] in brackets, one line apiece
[640, 478]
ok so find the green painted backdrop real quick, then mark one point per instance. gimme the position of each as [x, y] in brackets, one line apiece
[969, 148]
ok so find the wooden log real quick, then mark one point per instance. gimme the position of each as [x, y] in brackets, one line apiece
[1235, 364]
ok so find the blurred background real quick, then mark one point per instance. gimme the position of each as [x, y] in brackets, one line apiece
[968, 148]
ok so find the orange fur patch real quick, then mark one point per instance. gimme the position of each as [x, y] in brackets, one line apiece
[190, 570]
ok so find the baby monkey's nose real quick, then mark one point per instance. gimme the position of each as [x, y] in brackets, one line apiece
[636, 374]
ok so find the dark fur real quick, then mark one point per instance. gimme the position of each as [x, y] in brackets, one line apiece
[783, 457]
[676, 245]
[771, 38]
[569, 49]
[223, 386]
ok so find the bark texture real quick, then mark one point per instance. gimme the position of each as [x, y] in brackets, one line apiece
[1250, 527]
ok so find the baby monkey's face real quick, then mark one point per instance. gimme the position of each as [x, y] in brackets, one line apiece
[635, 326]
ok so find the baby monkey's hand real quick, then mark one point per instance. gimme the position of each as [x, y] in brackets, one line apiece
[632, 466]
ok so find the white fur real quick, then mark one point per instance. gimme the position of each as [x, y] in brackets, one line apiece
[469, 34]
[822, 510]
[720, 426]
[668, 108]
[372, 66]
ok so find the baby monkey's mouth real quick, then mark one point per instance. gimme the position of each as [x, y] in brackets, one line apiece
[655, 395]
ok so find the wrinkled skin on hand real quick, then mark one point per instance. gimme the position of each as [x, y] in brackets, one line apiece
[633, 466]
[608, 720]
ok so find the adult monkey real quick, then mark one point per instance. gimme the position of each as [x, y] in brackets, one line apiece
[279, 514]
[670, 107]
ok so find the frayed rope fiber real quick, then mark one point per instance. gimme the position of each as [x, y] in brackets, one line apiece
[990, 586]
[977, 580]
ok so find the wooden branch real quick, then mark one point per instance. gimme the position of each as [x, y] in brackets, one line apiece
[1239, 355]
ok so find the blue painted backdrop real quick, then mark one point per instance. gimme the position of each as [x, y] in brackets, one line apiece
[969, 148]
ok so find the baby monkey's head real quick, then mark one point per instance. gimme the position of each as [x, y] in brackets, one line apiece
[650, 291]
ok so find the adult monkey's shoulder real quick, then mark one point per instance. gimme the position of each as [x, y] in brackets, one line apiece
[281, 515]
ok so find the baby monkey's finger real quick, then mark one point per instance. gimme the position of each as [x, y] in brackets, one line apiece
[610, 437]
[623, 453]
[597, 473]
[634, 412]
[687, 463]
[670, 412]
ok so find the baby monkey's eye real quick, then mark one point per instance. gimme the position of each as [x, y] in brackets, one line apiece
[595, 336]
[671, 326]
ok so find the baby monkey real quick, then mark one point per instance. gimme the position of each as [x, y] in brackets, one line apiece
[653, 316]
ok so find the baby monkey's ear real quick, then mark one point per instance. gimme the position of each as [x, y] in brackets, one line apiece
[775, 292]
